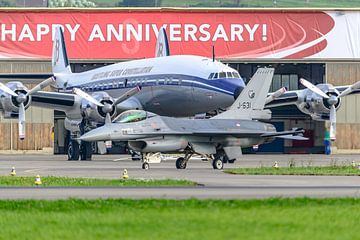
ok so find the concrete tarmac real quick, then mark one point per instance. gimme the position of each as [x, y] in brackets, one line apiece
[212, 183]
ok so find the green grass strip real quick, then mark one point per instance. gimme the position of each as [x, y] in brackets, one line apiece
[324, 171]
[301, 218]
[17, 181]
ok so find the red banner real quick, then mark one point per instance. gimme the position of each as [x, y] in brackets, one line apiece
[121, 34]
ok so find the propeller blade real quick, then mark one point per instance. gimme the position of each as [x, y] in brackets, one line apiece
[127, 95]
[350, 89]
[313, 88]
[332, 122]
[107, 119]
[41, 85]
[275, 94]
[6, 89]
[87, 97]
[21, 121]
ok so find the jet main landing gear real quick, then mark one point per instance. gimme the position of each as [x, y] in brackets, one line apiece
[218, 160]
[181, 162]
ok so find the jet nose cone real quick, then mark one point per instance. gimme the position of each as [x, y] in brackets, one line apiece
[98, 134]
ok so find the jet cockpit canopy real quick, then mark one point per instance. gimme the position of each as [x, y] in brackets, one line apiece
[133, 116]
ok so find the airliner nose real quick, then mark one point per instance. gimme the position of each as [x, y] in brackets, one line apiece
[237, 91]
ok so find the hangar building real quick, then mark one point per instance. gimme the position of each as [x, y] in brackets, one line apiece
[321, 46]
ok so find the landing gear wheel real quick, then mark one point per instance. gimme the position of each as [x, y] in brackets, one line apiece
[181, 163]
[85, 151]
[218, 164]
[73, 151]
[145, 166]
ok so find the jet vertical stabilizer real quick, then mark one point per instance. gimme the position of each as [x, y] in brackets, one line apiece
[251, 101]
[162, 44]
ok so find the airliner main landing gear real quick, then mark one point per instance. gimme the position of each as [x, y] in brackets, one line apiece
[83, 150]
[86, 151]
[73, 151]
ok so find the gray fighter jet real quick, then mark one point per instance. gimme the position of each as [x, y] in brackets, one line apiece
[217, 138]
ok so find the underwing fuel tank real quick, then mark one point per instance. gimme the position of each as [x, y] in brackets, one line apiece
[161, 145]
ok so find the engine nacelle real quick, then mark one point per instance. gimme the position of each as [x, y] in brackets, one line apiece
[72, 125]
[96, 113]
[10, 104]
[315, 105]
[161, 145]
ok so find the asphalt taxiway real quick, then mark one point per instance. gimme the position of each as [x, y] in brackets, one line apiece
[211, 183]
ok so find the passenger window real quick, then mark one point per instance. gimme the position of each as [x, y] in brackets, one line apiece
[222, 75]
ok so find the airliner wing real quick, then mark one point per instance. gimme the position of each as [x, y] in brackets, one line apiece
[343, 88]
[24, 76]
[287, 98]
[54, 100]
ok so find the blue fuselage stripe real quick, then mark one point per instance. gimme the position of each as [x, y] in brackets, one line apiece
[224, 85]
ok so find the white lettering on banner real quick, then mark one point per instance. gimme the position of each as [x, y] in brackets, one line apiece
[251, 31]
[126, 32]
[175, 33]
[41, 29]
[204, 30]
[96, 33]
[136, 33]
[72, 31]
[189, 31]
[236, 31]
[118, 33]
[220, 33]
[26, 33]
[11, 31]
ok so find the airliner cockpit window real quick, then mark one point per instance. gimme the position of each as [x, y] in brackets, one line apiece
[236, 74]
[229, 75]
[222, 75]
[211, 75]
[131, 116]
[216, 76]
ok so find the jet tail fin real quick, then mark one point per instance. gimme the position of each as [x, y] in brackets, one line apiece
[251, 101]
[60, 62]
[162, 44]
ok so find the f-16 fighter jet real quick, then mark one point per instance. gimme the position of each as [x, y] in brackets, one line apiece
[217, 138]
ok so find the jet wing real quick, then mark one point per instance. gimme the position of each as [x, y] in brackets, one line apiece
[291, 135]
[295, 132]
[202, 133]
[287, 98]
